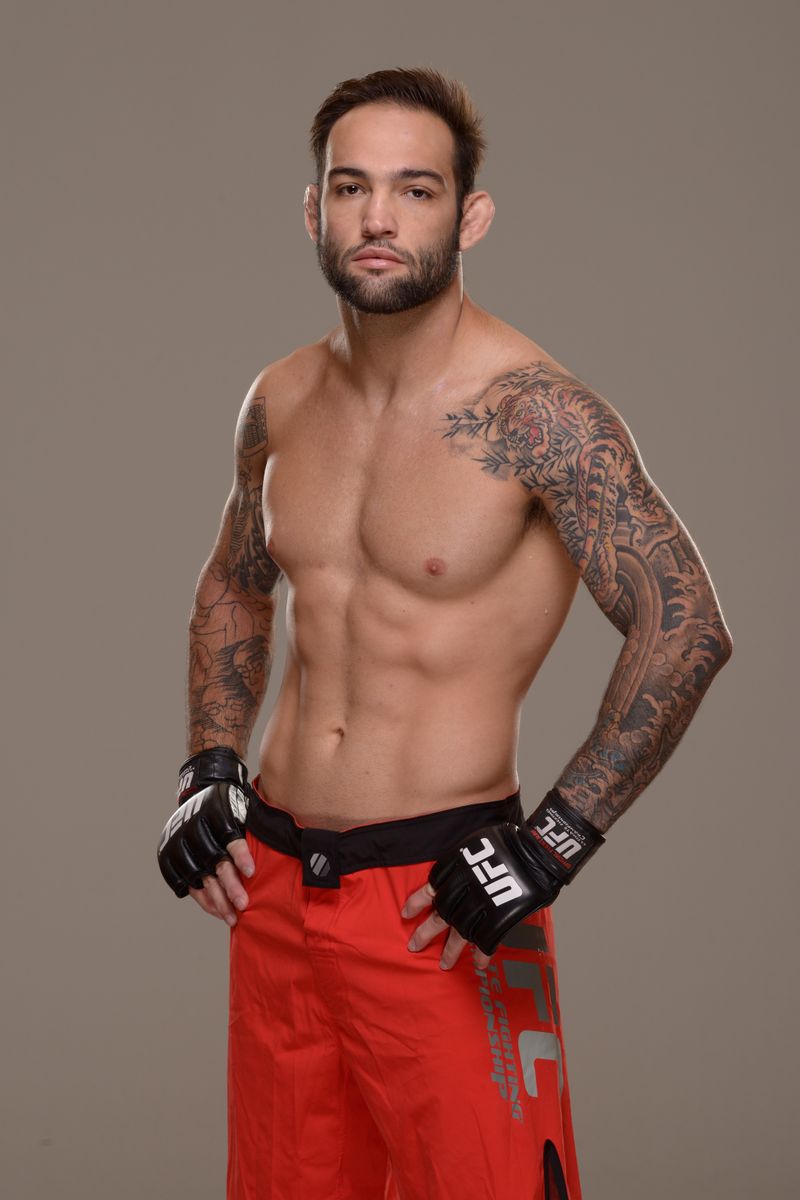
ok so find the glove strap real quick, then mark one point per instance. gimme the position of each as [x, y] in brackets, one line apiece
[567, 838]
[217, 764]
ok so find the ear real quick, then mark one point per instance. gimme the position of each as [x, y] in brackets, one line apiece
[311, 211]
[476, 217]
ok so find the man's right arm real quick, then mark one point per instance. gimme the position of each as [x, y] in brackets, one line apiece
[232, 618]
[203, 850]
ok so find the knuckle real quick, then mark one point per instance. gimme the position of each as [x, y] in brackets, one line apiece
[228, 869]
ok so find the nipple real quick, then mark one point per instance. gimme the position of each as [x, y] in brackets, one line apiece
[435, 566]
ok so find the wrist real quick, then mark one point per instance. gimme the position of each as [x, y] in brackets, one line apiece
[215, 764]
[565, 838]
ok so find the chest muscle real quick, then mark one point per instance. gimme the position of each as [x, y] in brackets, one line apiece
[394, 500]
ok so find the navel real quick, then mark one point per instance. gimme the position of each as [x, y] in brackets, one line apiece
[435, 566]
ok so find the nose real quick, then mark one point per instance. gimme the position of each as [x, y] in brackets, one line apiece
[377, 219]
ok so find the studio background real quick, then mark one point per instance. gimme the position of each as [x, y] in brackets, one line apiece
[641, 161]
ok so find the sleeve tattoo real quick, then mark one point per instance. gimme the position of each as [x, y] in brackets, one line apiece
[576, 457]
[230, 630]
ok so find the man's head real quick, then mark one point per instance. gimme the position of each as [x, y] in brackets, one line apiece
[396, 156]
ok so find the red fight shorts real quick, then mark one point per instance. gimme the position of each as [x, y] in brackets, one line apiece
[358, 1070]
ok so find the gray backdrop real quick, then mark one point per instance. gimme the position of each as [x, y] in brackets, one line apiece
[155, 259]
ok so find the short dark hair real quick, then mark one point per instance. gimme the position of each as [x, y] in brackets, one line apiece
[410, 87]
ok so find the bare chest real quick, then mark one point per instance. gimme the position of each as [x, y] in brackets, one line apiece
[393, 495]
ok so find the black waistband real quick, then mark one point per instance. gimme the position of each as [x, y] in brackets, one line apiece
[326, 853]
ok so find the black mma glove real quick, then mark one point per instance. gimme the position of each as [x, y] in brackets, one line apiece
[213, 796]
[501, 873]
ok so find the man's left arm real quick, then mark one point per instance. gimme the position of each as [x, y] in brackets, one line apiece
[576, 456]
[645, 573]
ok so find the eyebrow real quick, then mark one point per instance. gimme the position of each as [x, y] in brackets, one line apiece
[402, 173]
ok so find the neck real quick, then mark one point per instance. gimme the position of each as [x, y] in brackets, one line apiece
[387, 354]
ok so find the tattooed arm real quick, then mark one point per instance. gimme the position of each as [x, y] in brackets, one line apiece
[230, 628]
[575, 455]
[645, 573]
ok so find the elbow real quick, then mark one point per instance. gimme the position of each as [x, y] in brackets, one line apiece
[712, 632]
[724, 641]
[719, 651]
[725, 652]
[708, 647]
[726, 648]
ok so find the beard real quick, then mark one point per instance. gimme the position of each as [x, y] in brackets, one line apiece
[426, 275]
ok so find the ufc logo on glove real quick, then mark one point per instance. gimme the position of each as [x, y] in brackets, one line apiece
[500, 885]
[559, 839]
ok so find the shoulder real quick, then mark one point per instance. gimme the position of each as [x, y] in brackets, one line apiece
[273, 394]
[524, 372]
[544, 412]
[284, 376]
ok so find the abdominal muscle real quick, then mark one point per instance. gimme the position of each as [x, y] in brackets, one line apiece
[392, 705]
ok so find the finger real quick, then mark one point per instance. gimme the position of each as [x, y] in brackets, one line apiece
[452, 950]
[240, 853]
[481, 960]
[418, 900]
[219, 899]
[231, 883]
[201, 896]
[427, 931]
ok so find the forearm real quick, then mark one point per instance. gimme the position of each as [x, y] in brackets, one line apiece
[651, 698]
[230, 659]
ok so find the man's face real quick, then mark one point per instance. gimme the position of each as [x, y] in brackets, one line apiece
[365, 208]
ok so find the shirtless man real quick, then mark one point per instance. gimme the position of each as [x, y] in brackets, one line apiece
[431, 484]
